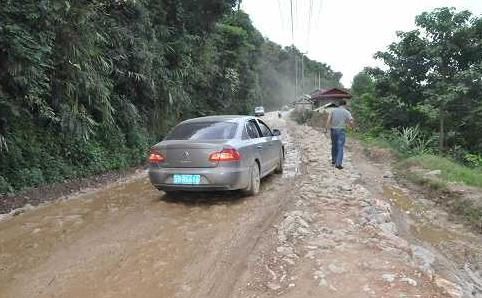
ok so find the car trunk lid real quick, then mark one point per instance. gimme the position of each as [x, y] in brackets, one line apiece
[188, 154]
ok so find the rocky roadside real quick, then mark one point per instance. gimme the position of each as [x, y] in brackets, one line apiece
[336, 239]
[422, 216]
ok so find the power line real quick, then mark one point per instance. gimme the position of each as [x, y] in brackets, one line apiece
[319, 11]
[310, 13]
[318, 18]
[294, 50]
[292, 24]
[280, 14]
[295, 10]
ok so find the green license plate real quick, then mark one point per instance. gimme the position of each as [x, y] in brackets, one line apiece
[187, 179]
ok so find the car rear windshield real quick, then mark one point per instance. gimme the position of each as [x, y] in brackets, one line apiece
[203, 131]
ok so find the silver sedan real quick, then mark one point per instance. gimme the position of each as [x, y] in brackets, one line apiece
[216, 153]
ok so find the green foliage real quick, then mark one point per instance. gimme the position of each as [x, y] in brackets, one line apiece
[5, 187]
[411, 141]
[450, 170]
[362, 84]
[433, 80]
[88, 86]
[473, 160]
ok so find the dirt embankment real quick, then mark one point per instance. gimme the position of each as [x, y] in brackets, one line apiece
[424, 217]
[27, 199]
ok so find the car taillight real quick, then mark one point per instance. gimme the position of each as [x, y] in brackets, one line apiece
[156, 157]
[225, 155]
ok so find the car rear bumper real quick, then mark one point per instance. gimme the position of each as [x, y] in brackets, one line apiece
[212, 179]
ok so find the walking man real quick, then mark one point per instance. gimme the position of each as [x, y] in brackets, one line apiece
[337, 122]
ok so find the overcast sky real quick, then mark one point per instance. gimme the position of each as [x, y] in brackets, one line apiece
[342, 33]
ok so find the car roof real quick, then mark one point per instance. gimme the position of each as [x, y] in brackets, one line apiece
[220, 118]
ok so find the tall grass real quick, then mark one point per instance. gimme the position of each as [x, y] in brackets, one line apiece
[450, 170]
[411, 141]
[416, 149]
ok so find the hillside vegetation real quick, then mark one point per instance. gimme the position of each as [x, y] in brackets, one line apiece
[427, 106]
[86, 86]
[429, 99]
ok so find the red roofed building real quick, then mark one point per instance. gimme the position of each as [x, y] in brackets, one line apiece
[325, 96]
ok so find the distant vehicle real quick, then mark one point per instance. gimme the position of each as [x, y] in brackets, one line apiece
[216, 153]
[259, 111]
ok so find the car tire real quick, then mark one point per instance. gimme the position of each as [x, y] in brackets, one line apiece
[171, 194]
[279, 168]
[255, 181]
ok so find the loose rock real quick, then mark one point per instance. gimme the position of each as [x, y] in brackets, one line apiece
[409, 281]
[388, 277]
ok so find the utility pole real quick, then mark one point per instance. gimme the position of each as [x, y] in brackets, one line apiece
[319, 80]
[294, 50]
[303, 72]
[239, 4]
[296, 75]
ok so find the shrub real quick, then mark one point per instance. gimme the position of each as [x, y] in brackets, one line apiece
[473, 160]
[411, 141]
[5, 187]
[301, 116]
[29, 177]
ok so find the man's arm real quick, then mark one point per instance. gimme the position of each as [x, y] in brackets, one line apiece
[351, 121]
[328, 122]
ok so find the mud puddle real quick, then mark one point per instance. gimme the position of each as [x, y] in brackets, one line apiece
[458, 252]
[420, 219]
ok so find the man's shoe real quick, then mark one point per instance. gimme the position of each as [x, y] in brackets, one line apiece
[339, 167]
[333, 163]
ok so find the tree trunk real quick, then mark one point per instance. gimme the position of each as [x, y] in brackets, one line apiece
[442, 132]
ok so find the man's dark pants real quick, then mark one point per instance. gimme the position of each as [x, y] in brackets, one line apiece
[338, 136]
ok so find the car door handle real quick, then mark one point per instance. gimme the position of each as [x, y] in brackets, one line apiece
[259, 147]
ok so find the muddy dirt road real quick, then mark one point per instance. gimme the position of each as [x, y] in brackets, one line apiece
[312, 232]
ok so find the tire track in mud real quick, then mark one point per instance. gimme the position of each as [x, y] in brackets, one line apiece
[129, 241]
[231, 261]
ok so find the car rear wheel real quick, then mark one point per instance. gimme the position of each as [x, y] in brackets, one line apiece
[255, 181]
[170, 193]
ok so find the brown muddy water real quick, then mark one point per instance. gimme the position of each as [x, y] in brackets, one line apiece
[458, 251]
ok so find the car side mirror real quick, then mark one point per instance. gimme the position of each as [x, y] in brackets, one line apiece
[276, 132]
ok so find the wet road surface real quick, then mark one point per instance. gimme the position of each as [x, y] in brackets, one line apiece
[130, 240]
[312, 232]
